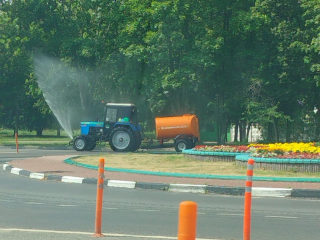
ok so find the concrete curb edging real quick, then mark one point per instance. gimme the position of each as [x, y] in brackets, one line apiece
[70, 161]
[204, 189]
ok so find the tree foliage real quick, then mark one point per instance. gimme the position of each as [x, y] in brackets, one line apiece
[229, 62]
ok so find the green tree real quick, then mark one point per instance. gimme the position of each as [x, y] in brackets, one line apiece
[16, 65]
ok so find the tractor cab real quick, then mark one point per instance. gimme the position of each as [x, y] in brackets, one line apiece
[120, 112]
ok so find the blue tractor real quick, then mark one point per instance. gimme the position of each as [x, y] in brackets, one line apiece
[119, 127]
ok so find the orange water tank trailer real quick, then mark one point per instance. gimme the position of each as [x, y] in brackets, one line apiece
[170, 127]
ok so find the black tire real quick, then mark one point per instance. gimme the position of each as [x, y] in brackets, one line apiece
[80, 144]
[91, 147]
[137, 142]
[121, 139]
[181, 144]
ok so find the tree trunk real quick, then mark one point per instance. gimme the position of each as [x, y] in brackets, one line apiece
[58, 131]
[270, 133]
[276, 134]
[242, 125]
[317, 129]
[288, 132]
[236, 128]
[248, 131]
[39, 131]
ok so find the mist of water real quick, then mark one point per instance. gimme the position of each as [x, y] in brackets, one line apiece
[57, 82]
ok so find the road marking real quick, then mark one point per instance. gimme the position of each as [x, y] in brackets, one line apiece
[230, 214]
[286, 217]
[146, 210]
[35, 203]
[90, 233]
[66, 205]
[110, 208]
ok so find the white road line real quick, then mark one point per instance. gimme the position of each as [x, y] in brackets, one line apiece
[66, 205]
[230, 214]
[91, 233]
[146, 210]
[35, 203]
[286, 217]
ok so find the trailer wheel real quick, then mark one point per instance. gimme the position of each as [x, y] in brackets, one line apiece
[181, 144]
[80, 144]
[121, 139]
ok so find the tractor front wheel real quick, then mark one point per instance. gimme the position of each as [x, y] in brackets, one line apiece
[121, 139]
[80, 144]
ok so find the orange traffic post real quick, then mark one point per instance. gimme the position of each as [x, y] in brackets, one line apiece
[187, 221]
[17, 144]
[247, 201]
[97, 232]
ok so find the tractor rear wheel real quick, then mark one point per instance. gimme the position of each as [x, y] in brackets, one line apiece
[80, 144]
[137, 142]
[121, 139]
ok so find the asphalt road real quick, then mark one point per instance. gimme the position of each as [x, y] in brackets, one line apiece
[34, 209]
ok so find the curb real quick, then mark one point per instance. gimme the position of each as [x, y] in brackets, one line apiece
[70, 161]
[190, 188]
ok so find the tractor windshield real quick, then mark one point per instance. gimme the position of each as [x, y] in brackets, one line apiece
[120, 113]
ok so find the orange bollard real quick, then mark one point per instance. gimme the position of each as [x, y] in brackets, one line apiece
[187, 221]
[17, 144]
[247, 202]
[97, 232]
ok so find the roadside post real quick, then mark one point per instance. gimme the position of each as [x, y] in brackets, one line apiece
[17, 144]
[187, 221]
[247, 201]
[98, 221]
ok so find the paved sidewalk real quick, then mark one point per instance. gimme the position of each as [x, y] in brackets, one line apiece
[54, 168]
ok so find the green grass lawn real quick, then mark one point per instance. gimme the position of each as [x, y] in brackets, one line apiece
[29, 138]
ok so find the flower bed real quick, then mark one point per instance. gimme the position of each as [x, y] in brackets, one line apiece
[285, 150]
[222, 148]
[299, 157]
[222, 153]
